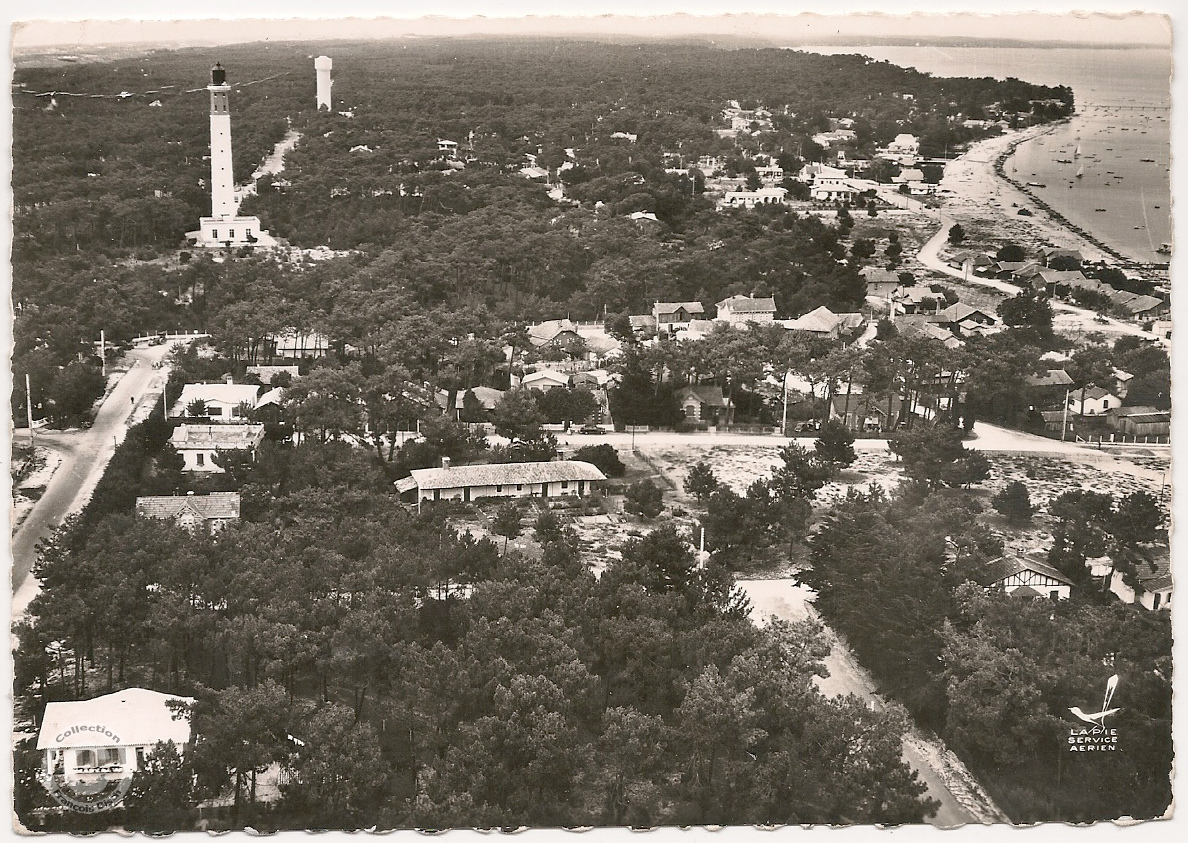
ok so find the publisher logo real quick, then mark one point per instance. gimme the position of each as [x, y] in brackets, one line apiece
[90, 780]
[1093, 735]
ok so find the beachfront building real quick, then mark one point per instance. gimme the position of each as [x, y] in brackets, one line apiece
[559, 478]
[91, 745]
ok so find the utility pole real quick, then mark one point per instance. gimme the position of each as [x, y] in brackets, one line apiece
[784, 418]
[103, 351]
[1064, 423]
[29, 407]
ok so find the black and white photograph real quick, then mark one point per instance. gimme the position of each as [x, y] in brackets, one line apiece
[590, 417]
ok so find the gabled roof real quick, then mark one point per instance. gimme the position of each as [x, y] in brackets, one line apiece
[544, 375]
[212, 506]
[709, 394]
[959, 311]
[1157, 417]
[505, 474]
[231, 394]
[546, 331]
[1092, 393]
[748, 304]
[1052, 377]
[663, 307]
[1063, 276]
[878, 275]
[1132, 411]
[1141, 304]
[1000, 569]
[134, 717]
[206, 436]
[822, 320]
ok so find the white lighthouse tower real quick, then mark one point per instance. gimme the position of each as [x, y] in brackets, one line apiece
[224, 226]
[323, 65]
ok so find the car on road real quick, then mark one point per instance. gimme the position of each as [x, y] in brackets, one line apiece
[591, 429]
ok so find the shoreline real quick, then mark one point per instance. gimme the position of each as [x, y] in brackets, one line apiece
[1056, 216]
[976, 180]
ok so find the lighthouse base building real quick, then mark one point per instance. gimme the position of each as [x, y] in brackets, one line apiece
[216, 232]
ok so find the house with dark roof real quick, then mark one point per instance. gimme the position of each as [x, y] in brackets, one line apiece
[1150, 586]
[559, 478]
[1021, 576]
[742, 309]
[670, 315]
[963, 319]
[194, 513]
[555, 333]
[705, 402]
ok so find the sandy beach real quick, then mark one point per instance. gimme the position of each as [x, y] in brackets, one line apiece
[987, 206]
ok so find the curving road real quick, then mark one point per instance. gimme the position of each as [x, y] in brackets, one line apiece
[85, 454]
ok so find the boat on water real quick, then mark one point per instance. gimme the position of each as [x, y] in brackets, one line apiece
[1164, 249]
[1081, 171]
[1147, 160]
[1063, 160]
[1035, 184]
[1100, 210]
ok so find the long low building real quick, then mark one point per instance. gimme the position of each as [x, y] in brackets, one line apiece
[561, 478]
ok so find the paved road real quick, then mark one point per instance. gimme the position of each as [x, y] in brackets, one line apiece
[85, 454]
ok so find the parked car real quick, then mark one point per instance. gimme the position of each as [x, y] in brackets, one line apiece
[591, 429]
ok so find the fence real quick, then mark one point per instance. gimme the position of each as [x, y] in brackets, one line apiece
[1124, 439]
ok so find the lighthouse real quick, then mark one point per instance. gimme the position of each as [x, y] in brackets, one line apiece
[323, 65]
[224, 226]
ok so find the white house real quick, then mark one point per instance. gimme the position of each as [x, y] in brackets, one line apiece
[92, 742]
[199, 443]
[224, 401]
[827, 183]
[904, 149]
[1093, 401]
[194, 513]
[544, 380]
[751, 198]
[1154, 587]
[559, 478]
[741, 309]
[1022, 577]
[294, 345]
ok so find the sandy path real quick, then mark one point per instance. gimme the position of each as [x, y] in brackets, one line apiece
[961, 798]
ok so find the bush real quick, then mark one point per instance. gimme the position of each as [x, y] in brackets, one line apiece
[1014, 502]
[644, 498]
[603, 457]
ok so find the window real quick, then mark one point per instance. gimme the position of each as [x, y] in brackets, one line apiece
[231, 234]
[200, 458]
[1054, 594]
[498, 487]
[84, 758]
[110, 755]
[1155, 603]
[519, 487]
[140, 758]
[564, 484]
[214, 234]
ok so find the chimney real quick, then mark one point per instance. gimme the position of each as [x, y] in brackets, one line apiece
[445, 462]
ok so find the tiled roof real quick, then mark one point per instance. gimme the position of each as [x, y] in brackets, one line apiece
[237, 436]
[505, 474]
[134, 716]
[674, 306]
[544, 375]
[1052, 377]
[748, 304]
[1000, 569]
[1092, 393]
[958, 311]
[214, 505]
[708, 394]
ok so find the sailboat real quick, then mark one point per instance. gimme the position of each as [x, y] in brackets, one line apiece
[1077, 151]
[1081, 171]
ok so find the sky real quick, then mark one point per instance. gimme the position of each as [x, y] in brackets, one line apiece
[149, 20]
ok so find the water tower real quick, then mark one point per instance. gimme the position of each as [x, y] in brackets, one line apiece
[323, 64]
